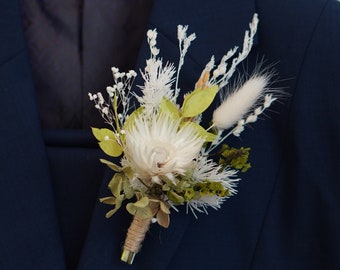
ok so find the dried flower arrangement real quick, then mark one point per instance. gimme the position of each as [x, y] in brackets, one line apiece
[165, 151]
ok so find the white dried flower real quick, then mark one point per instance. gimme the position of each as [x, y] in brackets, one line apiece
[157, 147]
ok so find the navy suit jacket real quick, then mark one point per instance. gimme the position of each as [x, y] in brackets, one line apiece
[286, 213]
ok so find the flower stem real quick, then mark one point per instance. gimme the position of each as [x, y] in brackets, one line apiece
[134, 238]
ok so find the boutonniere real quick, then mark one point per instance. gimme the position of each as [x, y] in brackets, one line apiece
[165, 151]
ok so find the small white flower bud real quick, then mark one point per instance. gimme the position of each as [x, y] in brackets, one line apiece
[154, 220]
[105, 110]
[181, 32]
[154, 51]
[152, 42]
[216, 73]
[238, 130]
[268, 100]
[241, 122]
[114, 70]
[133, 73]
[100, 98]
[258, 111]
[152, 34]
[222, 68]
[251, 118]
[110, 90]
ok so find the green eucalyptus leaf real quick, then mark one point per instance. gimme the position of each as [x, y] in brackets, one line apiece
[128, 190]
[110, 213]
[170, 108]
[198, 101]
[111, 165]
[111, 148]
[131, 208]
[107, 141]
[132, 117]
[174, 197]
[102, 134]
[129, 173]
[115, 184]
[145, 212]
[108, 200]
[207, 136]
[119, 201]
[142, 203]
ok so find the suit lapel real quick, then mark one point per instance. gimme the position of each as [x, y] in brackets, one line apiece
[217, 32]
[29, 233]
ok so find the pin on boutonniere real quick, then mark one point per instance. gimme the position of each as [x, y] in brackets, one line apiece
[165, 152]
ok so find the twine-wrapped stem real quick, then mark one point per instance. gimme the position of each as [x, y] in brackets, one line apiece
[134, 238]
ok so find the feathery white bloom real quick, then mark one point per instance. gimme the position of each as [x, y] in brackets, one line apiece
[201, 205]
[157, 147]
[207, 169]
[158, 80]
[240, 102]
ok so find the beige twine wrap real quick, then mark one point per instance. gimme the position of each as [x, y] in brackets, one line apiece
[134, 238]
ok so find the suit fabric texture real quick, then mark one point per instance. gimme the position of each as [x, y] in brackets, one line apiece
[286, 213]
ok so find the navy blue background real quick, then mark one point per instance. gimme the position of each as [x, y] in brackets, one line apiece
[286, 215]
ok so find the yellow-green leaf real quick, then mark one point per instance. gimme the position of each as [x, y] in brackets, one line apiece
[174, 197]
[108, 200]
[131, 119]
[129, 173]
[102, 134]
[168, 107]
[207, 136]
[119, 201]
[111, 148]
[111, 212]
[143, 202]
[131, 208]
[115, 184]
[111, 165]
[144, 212]
[128, 190]
[198, 101]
